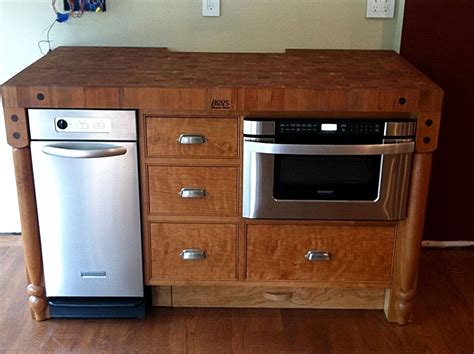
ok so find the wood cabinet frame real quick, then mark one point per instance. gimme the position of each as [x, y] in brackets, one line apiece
[416, 97]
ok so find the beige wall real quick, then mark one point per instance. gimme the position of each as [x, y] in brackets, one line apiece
[9, 216]
[392, 30]
[245, 25]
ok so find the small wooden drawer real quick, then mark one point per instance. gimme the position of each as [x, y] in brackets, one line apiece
[193, 251]
[320, 253]
[193, 190]
[192, 137]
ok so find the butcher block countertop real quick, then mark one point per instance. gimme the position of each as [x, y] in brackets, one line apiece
[162, 81]
[158, 67]
[74, 76]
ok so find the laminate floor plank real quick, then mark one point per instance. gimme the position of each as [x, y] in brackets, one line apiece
[443, 321]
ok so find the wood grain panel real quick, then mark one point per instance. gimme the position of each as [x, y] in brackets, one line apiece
[218, 241]
[103, 97]
[9, 97]
[16, 127]
[218, 296]
[427, 130]
[342, 99]
[51, 96]
[144, 202]
[177, 99]
[357, 253]
[35, 96]
[276, 283]
[146, 68]
[30, 233]
[220, 184]
[220, 137]
[161, 296]
[321, 80]
[429, 101]
[400, 299]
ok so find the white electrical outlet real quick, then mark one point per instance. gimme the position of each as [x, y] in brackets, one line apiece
[211, 8]
[380, 9]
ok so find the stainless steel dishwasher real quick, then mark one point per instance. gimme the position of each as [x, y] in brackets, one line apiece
[85, 173]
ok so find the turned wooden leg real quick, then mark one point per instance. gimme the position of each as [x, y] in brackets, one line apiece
[37, 301]
[30, 233]
[399, 301]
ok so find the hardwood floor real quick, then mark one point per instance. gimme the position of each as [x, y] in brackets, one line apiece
[443, 322]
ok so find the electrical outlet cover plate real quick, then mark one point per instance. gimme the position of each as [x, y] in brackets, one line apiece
[380, 8]
[211, 7]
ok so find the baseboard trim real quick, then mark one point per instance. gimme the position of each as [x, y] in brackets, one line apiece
[446, 244]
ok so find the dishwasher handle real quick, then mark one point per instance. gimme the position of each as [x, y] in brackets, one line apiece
[84, 151]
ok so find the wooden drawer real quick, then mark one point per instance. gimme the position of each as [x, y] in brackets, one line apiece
[358, 253]
[217, 241]
[219, 185]
[281, 297]
[220, 137]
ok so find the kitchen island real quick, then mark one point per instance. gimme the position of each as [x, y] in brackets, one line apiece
[375, 262]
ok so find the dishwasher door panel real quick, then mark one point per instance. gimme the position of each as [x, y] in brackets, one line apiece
[89, 218]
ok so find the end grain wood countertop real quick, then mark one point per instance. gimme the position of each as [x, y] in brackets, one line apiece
[157, 79]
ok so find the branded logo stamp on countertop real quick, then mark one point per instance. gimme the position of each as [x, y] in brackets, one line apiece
[220, 104]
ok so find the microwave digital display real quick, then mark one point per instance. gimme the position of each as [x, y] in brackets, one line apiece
[328, 127]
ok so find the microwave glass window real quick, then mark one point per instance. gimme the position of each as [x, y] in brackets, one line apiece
[326, 177]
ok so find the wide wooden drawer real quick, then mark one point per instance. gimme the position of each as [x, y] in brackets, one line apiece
[192, 137]
[193, 251]
[281, 297]
[337, 253]
[193, 190]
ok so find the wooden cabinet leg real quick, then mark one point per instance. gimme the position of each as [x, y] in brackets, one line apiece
[30, 232]
[399, 301]
[37, 301]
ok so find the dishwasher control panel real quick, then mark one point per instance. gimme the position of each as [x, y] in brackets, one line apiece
[82, 125]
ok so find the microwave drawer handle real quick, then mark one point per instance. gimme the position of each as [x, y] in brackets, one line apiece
[192, 193]
[191, 139]
[192, 254]
[296, 149]
[314, 255]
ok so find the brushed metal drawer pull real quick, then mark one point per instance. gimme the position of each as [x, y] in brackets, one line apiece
[314, 255]
[191, 139]
[192, 193]
[277, 296]
[192, 254]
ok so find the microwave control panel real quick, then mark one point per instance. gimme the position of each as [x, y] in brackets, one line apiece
[328, 131]
[323, 128]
